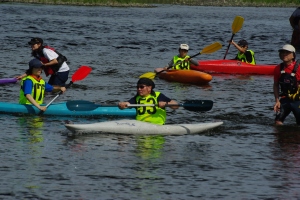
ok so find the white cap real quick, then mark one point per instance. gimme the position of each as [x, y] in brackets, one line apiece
[288, 47]
[184, 46]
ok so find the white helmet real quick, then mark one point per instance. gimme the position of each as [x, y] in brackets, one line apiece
[288, 47]
[184, 47]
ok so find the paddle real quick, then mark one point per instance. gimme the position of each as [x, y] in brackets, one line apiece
[191, 105]
[80, 74]
[236, 26]
[206, 50]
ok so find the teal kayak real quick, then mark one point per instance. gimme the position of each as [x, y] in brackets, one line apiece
[61, 109]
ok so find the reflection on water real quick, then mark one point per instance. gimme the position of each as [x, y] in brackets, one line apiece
[31, 141]
[288, 153]
[150, 147]
[288, 135]
[33, 126]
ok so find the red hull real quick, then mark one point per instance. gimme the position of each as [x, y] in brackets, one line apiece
[233, 67]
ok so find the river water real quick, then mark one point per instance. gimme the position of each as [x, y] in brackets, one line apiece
[245, 158]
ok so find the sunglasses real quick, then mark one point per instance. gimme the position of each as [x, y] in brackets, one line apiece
[140, 86]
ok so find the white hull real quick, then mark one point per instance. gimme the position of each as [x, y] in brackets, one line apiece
[134, 127]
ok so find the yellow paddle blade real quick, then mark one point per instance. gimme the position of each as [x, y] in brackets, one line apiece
[150, 75]
[211, 48]
[237, 24]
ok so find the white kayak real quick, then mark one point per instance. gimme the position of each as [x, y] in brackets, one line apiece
[134, 127]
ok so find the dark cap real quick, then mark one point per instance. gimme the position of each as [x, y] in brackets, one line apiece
[243, 43]
[35, 41]
[35, 63]
[146, 81]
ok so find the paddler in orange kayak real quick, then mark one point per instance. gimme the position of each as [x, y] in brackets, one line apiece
[181, 61]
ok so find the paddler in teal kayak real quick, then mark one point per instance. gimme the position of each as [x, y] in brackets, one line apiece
[287, 78]
[33, 87]
[244, 54]
[181, 61]
[146, 95]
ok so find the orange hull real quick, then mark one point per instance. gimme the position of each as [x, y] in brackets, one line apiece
[186, 76]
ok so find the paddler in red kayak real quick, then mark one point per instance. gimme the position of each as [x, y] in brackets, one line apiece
[33, 87]
[287, 78]
[181, 61]
[244, 54]
[146, 95]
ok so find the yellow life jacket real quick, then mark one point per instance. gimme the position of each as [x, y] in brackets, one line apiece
[183, 64]
[243, 58]
[38, 91]
[150, 114]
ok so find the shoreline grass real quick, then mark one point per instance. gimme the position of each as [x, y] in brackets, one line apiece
[151, 3]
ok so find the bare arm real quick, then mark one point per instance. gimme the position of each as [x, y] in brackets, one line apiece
[163, 104]
[243, 50]
[58, 89]
[21, 76]
[194, 62]
[33, 102]
[52, 62]
[123, 105]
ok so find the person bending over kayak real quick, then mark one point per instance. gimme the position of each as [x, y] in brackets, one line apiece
[286, 78]
[53, 61]
[244, 54]
[181, 61]
[33, 87]
[146, 95]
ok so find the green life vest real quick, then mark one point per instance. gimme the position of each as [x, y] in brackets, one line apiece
[243, 58]
[38, 91]
[182, 63]
[150, 114]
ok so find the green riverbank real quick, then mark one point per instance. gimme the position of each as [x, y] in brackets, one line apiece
[151, 3]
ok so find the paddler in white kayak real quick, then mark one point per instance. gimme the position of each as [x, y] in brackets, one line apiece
[146, 95]
[33, 87]
[181, 61]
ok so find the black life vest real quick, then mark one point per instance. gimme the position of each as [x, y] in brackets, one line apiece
[288, 81]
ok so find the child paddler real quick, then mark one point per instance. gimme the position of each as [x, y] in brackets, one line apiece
[33, 87]
[146, 95]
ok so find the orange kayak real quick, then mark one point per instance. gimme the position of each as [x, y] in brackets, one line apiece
[186, 76]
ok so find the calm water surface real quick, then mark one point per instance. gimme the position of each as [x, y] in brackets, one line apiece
[246, 158]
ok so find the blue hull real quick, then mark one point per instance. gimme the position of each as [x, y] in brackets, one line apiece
[60, 109]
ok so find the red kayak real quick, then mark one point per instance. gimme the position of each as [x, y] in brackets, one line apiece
[233, 67]
[186, 76]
